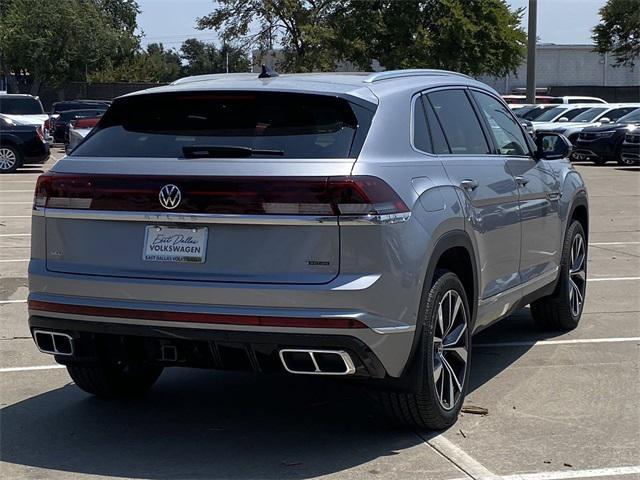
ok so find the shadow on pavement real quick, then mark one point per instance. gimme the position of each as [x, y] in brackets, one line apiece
[204, 424]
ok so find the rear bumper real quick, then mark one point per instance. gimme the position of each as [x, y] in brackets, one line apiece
[201, 348]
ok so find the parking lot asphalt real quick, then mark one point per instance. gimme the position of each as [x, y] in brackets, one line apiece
[559, 406]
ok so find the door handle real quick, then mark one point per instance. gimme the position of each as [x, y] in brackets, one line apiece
[469, 185]
[521, 181]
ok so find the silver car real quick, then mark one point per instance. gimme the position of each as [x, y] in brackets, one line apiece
[346, 225]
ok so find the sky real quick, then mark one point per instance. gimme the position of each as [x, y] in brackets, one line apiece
[173, 21]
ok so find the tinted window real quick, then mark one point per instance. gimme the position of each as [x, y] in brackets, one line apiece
[633, 117]
[438, 140]
[421, 137]
[278, 124]
[550, 114]
[20, 106]
[507, 135]
[589, 115]
[615, 115]
[73, 114]
[461, 126]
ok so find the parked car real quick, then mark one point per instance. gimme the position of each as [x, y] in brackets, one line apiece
[560, 114]
[631, 148]
[58, 107]
[603, 143]
[596, 116]
[531, 112]
[78, 130]
[20, 143]
[60, 125]
[357, 226]
[567, 99]
[25, 109]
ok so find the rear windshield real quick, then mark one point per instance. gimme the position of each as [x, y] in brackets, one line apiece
[20, 106]
[73, 114]
[66, 106]
[550, 114]
[589, 115]
[268, 124]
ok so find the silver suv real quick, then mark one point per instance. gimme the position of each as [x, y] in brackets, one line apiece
[347, 225]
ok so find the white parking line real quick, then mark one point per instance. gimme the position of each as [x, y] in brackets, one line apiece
[614, 243]
[16, 203]
[17, 191]
[460, 458]
[15, 234]
[15, 260]
[612, 279]
[15, 216]
[562, 475]
[27, 369]
[530, 343]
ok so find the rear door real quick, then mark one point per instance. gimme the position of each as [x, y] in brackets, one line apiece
[222, 187]
[489, 189]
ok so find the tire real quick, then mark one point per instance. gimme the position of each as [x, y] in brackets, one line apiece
[429, 405]
[562, 309]
[600, 161]
[10, 159]
[109, 380]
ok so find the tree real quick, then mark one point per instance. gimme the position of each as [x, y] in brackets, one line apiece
[619, 30]
[202, 58]
[472, 36]
[155, 64]
[302, 27]
[61, 40]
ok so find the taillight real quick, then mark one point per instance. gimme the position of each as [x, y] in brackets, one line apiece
[355, 196]
[47, 124]
[40, 134]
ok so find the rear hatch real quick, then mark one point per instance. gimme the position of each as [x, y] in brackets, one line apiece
[210, 186]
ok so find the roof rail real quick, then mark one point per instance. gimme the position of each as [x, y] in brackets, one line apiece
[416, 72]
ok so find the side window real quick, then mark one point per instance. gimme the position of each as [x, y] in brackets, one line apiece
[458, 119]
[615, 115]
[421, 137]
[507, 134]
[437, 135]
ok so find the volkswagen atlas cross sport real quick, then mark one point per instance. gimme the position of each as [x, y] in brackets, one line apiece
[350, 225]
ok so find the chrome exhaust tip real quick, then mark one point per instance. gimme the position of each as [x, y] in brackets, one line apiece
[53, 343]
[316, 362]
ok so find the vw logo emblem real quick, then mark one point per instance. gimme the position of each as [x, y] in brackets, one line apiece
[170, 196]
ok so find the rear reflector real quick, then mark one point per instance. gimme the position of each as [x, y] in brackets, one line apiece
[357, 195]
[208, 318]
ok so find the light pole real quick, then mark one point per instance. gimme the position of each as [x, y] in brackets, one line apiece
[531, 51]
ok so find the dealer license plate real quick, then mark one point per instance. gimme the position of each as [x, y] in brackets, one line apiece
[169, 244]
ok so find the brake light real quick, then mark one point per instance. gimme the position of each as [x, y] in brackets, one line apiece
[40, 134]
[356, 195]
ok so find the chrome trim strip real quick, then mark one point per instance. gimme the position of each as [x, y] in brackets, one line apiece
[205, 218]
[53, 335]
[400, 329]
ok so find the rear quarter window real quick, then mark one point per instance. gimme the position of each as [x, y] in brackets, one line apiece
[170, 125]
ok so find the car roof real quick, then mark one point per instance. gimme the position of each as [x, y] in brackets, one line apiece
[364, 85]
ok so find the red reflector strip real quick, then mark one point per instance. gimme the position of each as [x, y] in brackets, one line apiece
[208, 318]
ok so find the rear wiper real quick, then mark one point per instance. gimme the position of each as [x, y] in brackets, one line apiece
[226, 151]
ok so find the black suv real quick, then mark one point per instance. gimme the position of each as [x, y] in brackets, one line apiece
[604, 143]
[20, 144]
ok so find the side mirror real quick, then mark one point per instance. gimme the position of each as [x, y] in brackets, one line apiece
[605, 120]
[552, 146]
[563, 119]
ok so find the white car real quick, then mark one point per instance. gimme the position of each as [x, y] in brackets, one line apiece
[24, 109]
[593, 117]
[560, 113]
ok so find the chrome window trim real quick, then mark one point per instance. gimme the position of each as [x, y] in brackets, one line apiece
[231, 219]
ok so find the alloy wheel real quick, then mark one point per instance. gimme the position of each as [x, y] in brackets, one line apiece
[450, 349]
[7, 158]
[577, 275]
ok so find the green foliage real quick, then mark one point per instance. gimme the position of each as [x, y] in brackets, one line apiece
[202, 58]
[57, 41]
[619, 30]
[471, 36]
[155, 64]
[303, 28]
